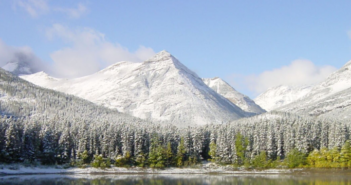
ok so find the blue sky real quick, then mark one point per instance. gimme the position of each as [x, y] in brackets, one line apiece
[253, 45]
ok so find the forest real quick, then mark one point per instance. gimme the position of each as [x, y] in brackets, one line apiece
[41, 126]
[289, 141]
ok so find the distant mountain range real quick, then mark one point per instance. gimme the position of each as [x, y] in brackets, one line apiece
[163, 89]
[43, 125]
[160, 88]
[329, 97]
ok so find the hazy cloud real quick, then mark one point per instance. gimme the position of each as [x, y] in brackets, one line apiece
[20, 55]
[73, 12]
[298, 73]
[88, 51]
[35, 8]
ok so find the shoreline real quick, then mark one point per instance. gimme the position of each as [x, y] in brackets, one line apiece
[19, 169]
[204, 169]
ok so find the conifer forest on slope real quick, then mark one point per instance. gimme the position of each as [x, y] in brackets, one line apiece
[41, 125]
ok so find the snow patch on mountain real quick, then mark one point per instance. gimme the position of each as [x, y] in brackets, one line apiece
[160, 88]
[332, 93]
[336, 106]
[227, 91]
[281, 95]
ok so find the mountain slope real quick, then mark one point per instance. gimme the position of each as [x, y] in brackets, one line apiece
[281, 95]
[291, 98]
[227, 91]
[332, 93]
[336, 106]
[160, 88]
[21, 99]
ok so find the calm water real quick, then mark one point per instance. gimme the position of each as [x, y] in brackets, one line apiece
[322, 177]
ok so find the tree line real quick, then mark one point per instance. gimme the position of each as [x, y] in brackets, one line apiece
[39, 125]
[260, 142]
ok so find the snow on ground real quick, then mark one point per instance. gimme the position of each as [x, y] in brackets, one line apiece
[209, 168]
[206, 178]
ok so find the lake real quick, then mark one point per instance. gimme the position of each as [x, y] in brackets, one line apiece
[315, 177]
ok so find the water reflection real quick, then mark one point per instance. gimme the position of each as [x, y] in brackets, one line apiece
[329, 177]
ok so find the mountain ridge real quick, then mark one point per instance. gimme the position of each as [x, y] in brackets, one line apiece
[335, 87]
[326, 97]
[227, 91]
[281, 95]
[160, 88]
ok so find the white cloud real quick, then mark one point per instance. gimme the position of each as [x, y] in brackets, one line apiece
[88, 51]
[298, 73]
[33, 7]
[21, 55]
[74, 12]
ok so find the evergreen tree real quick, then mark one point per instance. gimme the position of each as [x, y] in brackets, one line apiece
[212, 152]
[240, 146]
[157, 157]
[30, 144]
[181, 153]
[345, 155]
[260, 161]
[12, 143]
[48, 152]
[84, 156]
[295, 158]
[169, 161]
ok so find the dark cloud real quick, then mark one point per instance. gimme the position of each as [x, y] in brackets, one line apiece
[20, 60]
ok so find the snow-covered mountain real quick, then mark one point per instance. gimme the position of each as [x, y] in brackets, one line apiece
[281, 95]
[224, 89]
[19, 68]
[21, 99]
[330, 94]
[336, 106]
[330, 97]
[160, 88]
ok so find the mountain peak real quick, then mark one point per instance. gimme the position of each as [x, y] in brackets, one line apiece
[161, 56]
[41, 73]
[348, 64]
[163, 53]
[161, 88]
[223, 88]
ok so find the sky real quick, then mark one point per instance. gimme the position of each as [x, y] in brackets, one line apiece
[253, 45]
